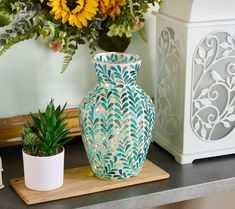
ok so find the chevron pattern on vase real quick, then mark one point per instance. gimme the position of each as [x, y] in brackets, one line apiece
[117, 118]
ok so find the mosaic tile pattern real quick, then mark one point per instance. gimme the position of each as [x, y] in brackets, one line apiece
[117, 118]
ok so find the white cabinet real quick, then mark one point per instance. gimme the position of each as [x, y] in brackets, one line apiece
[195, 78]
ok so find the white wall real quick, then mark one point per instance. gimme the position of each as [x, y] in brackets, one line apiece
[30, 74]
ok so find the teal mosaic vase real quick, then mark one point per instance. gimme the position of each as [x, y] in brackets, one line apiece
[117, 118]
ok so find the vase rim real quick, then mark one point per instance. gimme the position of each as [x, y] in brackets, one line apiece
[125, 54]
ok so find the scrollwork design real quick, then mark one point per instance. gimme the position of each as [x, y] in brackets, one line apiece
[213, 90]
[168, 85]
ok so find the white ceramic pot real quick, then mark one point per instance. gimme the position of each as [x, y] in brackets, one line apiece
[43, 173]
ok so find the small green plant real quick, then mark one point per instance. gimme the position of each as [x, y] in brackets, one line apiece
[46, 136]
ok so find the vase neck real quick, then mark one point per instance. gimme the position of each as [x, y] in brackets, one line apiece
[116, 68]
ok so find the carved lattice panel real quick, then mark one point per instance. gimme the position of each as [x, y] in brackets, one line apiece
[169, 72]
[213, 88]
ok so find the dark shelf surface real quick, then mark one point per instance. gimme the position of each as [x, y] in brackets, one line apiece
[203, 177]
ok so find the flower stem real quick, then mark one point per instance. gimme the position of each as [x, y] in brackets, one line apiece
[131, 8]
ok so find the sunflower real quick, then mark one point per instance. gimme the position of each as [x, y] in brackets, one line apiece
[110, 7]
[76, 12]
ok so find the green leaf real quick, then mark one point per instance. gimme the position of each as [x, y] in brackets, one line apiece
[16, 39]
[51, 130]
[68, 58]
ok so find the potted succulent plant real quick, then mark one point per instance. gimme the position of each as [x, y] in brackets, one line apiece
[43, 151]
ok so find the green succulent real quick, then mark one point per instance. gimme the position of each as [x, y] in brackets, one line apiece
[47, 135]
[30, 140]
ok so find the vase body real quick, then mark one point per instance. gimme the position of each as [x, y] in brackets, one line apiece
[117, 118]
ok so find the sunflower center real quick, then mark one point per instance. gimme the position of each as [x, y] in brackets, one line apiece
[71, 4]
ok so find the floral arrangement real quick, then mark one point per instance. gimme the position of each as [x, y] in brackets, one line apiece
[66, 24]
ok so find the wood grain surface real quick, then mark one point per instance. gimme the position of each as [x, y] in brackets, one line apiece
[10, 127]
[81, 181]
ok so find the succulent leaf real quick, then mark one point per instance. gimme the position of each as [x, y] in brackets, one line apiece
[48, 133]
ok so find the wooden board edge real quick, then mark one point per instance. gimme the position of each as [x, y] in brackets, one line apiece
[165, 174]
[10, 127]
[123, 183]
[17, 191]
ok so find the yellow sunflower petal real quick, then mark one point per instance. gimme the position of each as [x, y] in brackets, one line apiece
[64, 5]
[84, 11]
[110, 7]
[57, 16]
[72, 19]
[65, 16]
[82, 19]
[78, 23]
